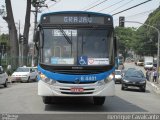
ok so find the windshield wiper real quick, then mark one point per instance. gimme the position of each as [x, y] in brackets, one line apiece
[65, 35]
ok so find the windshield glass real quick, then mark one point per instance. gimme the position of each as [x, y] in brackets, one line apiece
[20, 69]
[117, 72]
[141, 60]
[135, 73]
[76, 46]
[149, 63]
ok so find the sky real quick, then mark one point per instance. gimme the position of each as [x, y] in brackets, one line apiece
[139, 13]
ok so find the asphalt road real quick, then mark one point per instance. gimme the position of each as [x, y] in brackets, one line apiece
[23, 98]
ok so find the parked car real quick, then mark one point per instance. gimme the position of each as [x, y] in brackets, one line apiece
[118, 76]
[3, 77]
[140, 62]
[134, 78]
[24, 74]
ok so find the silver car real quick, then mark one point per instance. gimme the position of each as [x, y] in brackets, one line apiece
[3, 77]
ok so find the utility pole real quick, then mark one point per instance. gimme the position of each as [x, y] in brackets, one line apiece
[38, 5]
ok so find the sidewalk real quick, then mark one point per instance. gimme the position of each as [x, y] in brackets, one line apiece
[155, 86]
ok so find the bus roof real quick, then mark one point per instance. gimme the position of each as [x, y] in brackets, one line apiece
[76, 12]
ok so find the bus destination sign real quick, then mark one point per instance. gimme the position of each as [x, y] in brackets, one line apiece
[64, 19]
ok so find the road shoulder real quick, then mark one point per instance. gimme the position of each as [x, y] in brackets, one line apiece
[155, 87]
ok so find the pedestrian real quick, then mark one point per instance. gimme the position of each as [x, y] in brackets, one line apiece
[9, 70]
[154, 75]
[147, 74]
[150, 74]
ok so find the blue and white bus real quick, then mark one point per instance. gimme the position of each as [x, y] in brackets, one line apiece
[76, 55]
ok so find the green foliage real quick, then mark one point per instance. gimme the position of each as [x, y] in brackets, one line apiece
[142, 41]
[4, 38]
[125, 38]
[149, 36]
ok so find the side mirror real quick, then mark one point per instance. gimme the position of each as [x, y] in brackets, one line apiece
[36, 36]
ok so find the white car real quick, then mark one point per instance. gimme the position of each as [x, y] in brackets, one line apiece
[3, 77]
[118, 76]
[24, 74]
[140, 62]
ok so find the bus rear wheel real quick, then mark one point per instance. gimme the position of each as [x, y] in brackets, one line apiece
[99, 100]
[47, 100]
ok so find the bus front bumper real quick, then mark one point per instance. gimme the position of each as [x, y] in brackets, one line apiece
[63, 89]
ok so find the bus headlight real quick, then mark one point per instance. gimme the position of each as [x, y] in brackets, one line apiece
[47, 80]
[109, 78]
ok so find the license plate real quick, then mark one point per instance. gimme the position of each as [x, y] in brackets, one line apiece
[77, 89]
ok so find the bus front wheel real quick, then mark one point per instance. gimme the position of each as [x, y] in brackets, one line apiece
[47, 100]
[99, 100]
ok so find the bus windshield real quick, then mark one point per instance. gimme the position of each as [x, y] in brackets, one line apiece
[69, 46]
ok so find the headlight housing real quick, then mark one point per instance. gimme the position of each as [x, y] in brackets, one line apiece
[109, 78]
[125, 80]
[143, 82]
[46, 79]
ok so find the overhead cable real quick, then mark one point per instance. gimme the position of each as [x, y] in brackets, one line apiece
[121, 6]
[132, 7]
[96, 5]
[111, 6]
[90, 4]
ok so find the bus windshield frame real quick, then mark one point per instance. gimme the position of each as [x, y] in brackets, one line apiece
[78, 42]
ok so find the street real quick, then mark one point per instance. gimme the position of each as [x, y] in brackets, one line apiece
[23, 98]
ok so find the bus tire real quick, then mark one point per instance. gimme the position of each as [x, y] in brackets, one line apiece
[98, 100]
[47, 100]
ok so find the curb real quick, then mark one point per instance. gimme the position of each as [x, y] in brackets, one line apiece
[155, 87]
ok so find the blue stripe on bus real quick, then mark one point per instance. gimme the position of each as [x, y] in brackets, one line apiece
[72, 78]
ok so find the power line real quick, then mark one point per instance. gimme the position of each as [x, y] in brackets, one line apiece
[121, 6]
[135, 15]
[48, 2]
[132, 7]
[96, 5]
[90, 4]
[111, 6]
[140, 13]
[51, 6]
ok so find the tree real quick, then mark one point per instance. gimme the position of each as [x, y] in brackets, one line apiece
[147, 36]
[14, 48]
[26, 32]
[126, 37]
